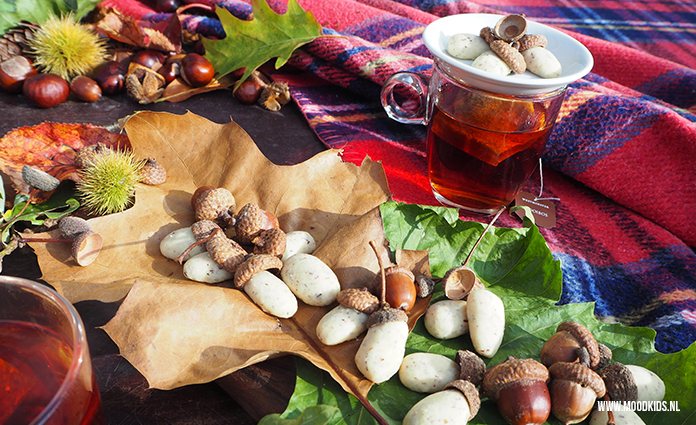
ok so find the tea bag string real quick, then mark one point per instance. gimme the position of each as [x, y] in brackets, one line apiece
[541, 187]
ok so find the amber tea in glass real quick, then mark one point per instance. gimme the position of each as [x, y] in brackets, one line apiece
[482, 147]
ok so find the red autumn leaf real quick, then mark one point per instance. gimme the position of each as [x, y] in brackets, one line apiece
[164, 35]
[51, 147]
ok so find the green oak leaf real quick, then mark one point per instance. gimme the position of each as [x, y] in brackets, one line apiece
[250, 44]
[524, 274]
[60, 204]
[37, 11]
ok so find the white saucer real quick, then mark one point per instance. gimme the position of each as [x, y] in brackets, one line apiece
[576, 61]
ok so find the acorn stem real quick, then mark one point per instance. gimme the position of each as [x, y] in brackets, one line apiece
[180, 259]
[383, 276]
[610, 414]
[24, 240]
[478, 241]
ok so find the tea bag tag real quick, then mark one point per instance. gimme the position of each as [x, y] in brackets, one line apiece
[543, 209]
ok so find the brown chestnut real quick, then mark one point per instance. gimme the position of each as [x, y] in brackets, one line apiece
[519, 387]
[248, 92]
[14, 71]
[574, 389]
[85, 89]
[567, 343]
[111, 77]
[196, 70]
[167, 6]
[170, 70]
[149, 58]
[400, 287]
[46, 90]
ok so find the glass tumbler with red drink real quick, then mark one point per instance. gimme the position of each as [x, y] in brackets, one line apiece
[46, 374]
[485, 131]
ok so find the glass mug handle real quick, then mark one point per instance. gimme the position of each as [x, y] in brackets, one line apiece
[393, 109]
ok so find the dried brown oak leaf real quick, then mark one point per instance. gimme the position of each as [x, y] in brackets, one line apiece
[51, 147]
[178, 90]
[177, 332]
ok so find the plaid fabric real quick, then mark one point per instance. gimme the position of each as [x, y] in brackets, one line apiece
[621, 159]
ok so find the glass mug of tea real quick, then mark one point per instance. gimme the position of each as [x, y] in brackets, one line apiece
[46, 374]
[485, 132]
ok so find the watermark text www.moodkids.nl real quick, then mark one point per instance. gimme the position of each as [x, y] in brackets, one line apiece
[638, 406]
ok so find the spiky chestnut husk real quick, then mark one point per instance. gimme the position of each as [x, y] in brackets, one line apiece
[67, 48]
[108, 183]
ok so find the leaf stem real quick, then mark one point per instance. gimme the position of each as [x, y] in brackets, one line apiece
[19, 214]
[478, 241]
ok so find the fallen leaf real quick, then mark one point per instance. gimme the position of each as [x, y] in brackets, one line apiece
[38, 11]
[178, 90]
[250, 44]
[51, 147]
[163, 35]
[177, 332]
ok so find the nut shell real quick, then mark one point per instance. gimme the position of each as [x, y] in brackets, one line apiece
[531, 40]
[424, 286]
[215, 205]
[471, 367]
[39, 179]
[487, 34]
[385, 315]
[512, 57]
[250, 221]
[203, 229]
[71, 226]
[458, 282]
[153, 173]
[255, 264]
[270, 241]
[510, 28]
[86, 247]
[619, 382]
[586, 339]
[575, 372]
[87, 154]
[225, 252]
[360, 299]
[512, 370]
[470, 393]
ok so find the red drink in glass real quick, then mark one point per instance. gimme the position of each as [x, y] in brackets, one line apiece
[46, 374]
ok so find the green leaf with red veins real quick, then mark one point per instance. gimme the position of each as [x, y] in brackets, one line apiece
[250, 44]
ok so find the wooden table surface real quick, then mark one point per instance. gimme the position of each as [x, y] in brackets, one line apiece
[241, 398]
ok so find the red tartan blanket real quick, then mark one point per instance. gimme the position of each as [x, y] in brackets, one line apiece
[621, 159]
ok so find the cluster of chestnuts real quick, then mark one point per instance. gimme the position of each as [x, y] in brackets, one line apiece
[575, 370]
[146, 75]
[19, 75]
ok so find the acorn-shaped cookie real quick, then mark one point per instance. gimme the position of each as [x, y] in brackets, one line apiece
[382, 350]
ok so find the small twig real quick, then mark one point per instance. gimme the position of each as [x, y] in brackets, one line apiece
[180, 259]
[495, 217]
